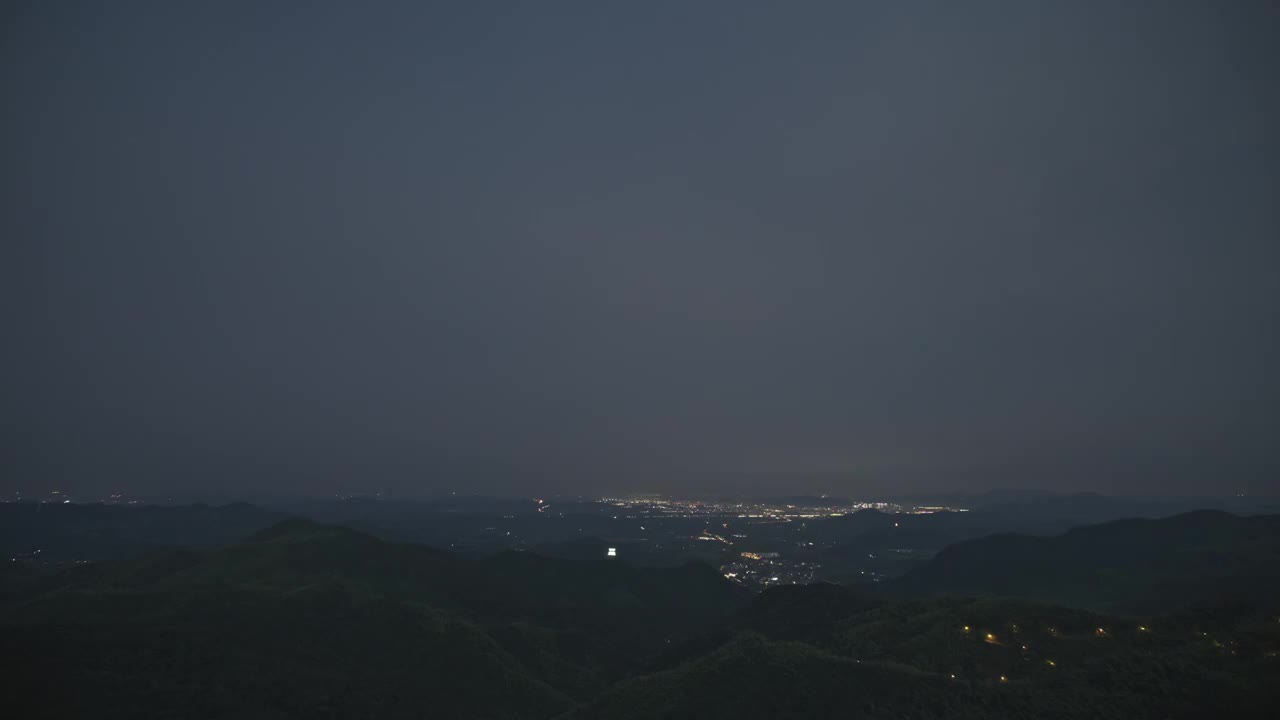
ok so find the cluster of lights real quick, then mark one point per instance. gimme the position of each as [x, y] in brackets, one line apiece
[767, 511]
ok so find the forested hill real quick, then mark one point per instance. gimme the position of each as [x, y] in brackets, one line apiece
[304, 620]
[1127, 566]
[308, 620]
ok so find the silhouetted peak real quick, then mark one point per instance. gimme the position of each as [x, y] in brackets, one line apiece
[1200, 517]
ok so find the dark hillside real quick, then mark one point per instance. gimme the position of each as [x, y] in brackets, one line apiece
[1138, 566]
[300, 611]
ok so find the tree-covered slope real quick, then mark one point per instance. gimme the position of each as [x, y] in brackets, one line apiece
[309, 620]
[957, 658]
[319, 651]
[315, 620]
[1127, 565]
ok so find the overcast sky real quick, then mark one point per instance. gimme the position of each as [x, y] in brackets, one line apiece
[653, 246]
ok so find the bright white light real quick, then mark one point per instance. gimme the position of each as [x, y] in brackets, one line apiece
[613, 552]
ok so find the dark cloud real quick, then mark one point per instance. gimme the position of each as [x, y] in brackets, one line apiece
[720, 246]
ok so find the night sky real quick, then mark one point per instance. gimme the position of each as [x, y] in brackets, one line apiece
[736, 246]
